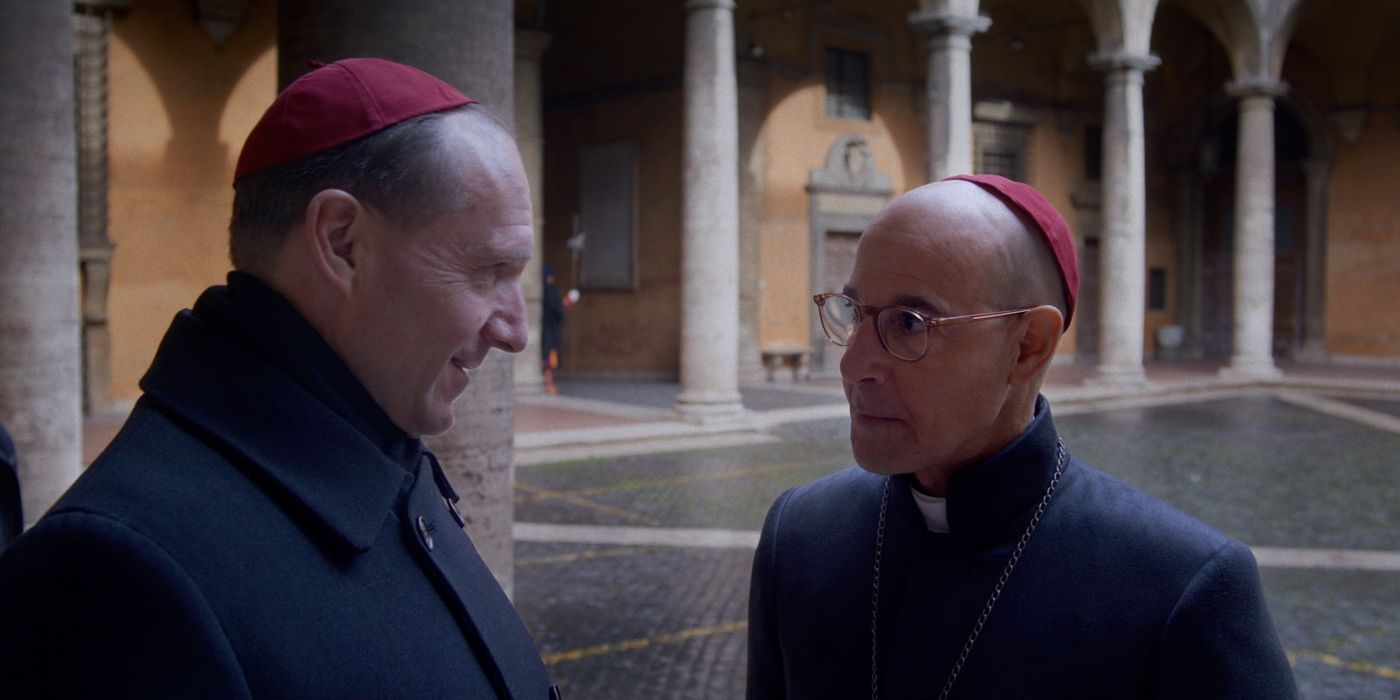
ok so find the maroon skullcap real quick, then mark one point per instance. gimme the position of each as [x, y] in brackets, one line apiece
[339, 102]
[1024, 199]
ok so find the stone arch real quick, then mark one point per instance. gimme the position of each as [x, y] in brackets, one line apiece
[253, 91]
[1206, 197]
[170, 186]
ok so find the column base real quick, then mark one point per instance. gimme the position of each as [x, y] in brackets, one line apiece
[1118, 377]
[529, 387]
[1314, 351]
[1250, 368]
[712, 408]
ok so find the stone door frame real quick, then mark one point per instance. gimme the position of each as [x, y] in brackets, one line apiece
[844, 195]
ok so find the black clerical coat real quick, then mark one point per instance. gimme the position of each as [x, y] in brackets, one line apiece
[1117, 595]
[258, 528]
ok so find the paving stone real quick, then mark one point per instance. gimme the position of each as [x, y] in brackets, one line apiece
[1258, 469]
[1391, 407]
[663, 394]
[725, 488]
[655, 622]
[1264, 471]
[1330, 621]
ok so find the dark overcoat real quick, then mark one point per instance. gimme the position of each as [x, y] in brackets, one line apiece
[11, 508]
[1117, 594]
[241, 538]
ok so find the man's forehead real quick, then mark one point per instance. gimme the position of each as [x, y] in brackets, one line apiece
[930, 230]
[897, 271]
[486, 158]
[926, 246]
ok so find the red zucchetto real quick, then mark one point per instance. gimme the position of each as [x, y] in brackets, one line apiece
[1025, 199]
[339, 102]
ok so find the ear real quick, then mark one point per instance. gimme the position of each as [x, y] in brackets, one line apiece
[334, 230]
[1040, 331]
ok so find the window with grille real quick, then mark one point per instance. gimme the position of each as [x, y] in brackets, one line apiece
[1003, 148]
[847, 84]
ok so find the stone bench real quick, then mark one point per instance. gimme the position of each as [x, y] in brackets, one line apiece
[778, 355]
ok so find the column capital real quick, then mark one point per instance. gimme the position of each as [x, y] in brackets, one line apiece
[1256, 87]
[693, 5]
[938, 22]
[1122, 60]
[530, 44]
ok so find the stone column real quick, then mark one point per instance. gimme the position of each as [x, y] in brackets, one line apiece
[470, 44]
[948, 87]
[1123, 237]
[1253, 333]
[529, 135]
[1318, 181]
[709, 310]
[40, 390]
[92, 20]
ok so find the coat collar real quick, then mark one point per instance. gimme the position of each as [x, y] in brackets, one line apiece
[997, 491]
[309, 436]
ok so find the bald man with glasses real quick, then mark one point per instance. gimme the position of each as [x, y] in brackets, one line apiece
[969, 554]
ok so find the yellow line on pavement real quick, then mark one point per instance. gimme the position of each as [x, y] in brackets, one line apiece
[631, 644]
[577, 556]
[634, 484]
[545, 494]
[1339, 662]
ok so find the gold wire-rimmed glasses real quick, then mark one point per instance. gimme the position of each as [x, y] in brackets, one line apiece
[903, 332]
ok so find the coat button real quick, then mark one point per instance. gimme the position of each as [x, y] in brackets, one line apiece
[456, 514]
[423, 533]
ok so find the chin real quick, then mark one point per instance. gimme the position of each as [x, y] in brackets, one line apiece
[438, 425]
[878, 463]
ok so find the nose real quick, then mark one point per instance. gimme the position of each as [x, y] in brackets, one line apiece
[507, 328]
[865, 357]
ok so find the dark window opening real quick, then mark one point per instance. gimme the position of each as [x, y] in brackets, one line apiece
[1093, 154]
[1007, 164]
[847, 84]
[1157, 289]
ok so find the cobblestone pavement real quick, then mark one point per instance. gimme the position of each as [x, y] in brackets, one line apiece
[631, 615]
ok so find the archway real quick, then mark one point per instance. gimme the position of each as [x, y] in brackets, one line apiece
[1216, 171]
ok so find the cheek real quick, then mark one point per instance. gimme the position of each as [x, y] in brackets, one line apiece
[931, 393]
[459, 321]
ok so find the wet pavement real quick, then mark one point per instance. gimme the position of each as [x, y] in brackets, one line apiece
[630, 607]
[635, 530]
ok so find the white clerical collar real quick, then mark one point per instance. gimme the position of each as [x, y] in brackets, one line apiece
[934, 508]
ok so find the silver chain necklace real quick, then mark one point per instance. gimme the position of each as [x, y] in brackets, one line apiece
[991, 600]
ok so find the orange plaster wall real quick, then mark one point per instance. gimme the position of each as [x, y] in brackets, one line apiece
[179, 109]
[797, 135]
[791, 148]
[633, 331]
[1363, 244]
[1057, 159]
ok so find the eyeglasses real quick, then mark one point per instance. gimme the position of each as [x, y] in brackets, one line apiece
[902, 331]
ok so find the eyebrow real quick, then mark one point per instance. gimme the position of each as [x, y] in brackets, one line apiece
[488, 258]
[916, 303]
[908, 300]
[515, 258]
